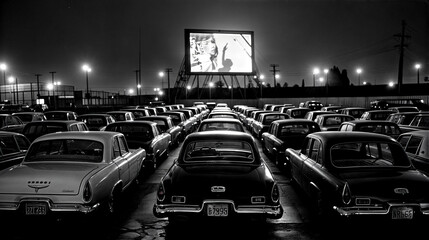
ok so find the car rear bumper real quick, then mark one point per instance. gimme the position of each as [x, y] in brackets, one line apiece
[269, 211]
[380, 210]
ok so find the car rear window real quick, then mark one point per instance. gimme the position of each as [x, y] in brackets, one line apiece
[65, 150]
[218, 151]
[368, 154]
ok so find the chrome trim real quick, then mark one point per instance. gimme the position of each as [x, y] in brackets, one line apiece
[54, 207]
[377, 210]
[163, 210]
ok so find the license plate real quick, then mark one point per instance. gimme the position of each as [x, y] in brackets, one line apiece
[402, 213]
[35, 209]
[217, 210]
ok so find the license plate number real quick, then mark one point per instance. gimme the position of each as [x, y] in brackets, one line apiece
[217, 210]
[35, 209]
[402, 213]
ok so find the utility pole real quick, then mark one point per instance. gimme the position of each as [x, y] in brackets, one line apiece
[402, 45]
[38, 85]
[274, 71]
[140, 61]
[137, 86]
[168, 71]
[53, 96]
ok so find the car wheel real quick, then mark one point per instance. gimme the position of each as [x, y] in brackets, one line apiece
[112, 204]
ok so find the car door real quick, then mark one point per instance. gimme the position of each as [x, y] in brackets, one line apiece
[310, 173]
[269, 138]
[120, 150]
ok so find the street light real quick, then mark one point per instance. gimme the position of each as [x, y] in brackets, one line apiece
[418, 66]
[326, 71]
[187, 89]
[15, 92]
[316, 71]
[210, 89]
[3, 67]
[359, 71]
[87, 70]
[321, 79]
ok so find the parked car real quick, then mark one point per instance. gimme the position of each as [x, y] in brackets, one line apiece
[375, 126]
[416, 145]
[27, 117]
[179, 119]
[34, 130]
[221, 124]
[138, 112]
[358, 174]
[228, 178]
[331, 122]
[13, 147]
[332, 108]
[419, 122]
[311, 115]
[356, 112]
[60, 115]
[121, 115]
[147, 135]
[263, 122]
[297, 112]
[11, 123]
[376, 114]
[404, 109]
[402, 118]
[96, 121]
[313, 105]
[165, 123]
[283, 134]
[223, 115]
[70, 172]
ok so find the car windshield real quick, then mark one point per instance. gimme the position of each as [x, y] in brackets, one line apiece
[297, 129]
[65, 150]
[213, 126]
[218, 151]
[368, 154]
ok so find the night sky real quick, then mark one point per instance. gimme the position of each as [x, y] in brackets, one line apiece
[41, 36]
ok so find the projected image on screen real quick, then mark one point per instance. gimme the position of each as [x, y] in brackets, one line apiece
[219, 52]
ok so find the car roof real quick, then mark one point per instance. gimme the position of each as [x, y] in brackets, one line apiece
[141, 122]
[364, 121]
[224, 135]
[92, 135]
[208, 120]
[334, 137]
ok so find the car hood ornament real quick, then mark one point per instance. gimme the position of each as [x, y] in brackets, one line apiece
[218, 189]
[37, 185]
[401, 191]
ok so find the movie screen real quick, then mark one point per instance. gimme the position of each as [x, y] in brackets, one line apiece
[218, 52]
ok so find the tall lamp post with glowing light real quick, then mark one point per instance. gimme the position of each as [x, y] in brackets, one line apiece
[210, 89]
[326, 71]
[15, 91]
[359, 71]
[87, 70]
[3, 67]
[187, 89]
[316, 71]
[418, 66]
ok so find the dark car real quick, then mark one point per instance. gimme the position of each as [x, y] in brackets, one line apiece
[27, 117]
[96, 121]
[375, 126]
[402, 118]
[13, 147]
[33, 130]
[11, 123]
[331, 122]
[262, 123]
[218, 175]
[419, 122]
[416, 145]
[283, 134]
[359, 174]
[297, 112]
[165, 123]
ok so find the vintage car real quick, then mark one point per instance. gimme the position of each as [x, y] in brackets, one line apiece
[376, 114]
[147, 135]
[262, 123]
[33, 130]
[311, 115]
[419, 122]
[331, 122]
[221, 124]
[165, 123]
[283, 134]
[297, 112]
[376, 126]
[223, 115]
[137, 112]
[13, 147]
[70, 172]
[402, 118]
[27, 117]
[416, 145]
[61, 115]
[218, 174]
[356, 112]
[356, 174]
[122, 115]
[96, 121]
[179, 119]
[11, 123]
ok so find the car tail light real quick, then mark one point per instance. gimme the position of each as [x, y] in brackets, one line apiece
[275, 194]
[347, 196]
[87, 192]
[161, 193]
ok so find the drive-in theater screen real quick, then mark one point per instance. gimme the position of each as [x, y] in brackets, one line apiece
[219, 52]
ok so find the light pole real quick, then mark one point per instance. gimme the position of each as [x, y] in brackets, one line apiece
[359, 71]
[321, 79]
[316, 71]
[261, 84]
[56, 84]
[187, 89]
[3, 67]
[87, 70]
[15, 93]
[210, 89]
[326, 71]
[418, 66]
